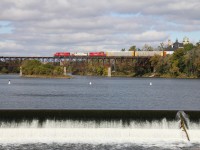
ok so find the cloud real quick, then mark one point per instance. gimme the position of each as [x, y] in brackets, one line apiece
[151, 36]
[9, 45]
[42, 27]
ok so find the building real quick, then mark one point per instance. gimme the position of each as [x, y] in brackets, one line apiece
[186, 40]
[174, 46]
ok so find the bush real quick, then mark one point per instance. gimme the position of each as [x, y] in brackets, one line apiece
[34, 67]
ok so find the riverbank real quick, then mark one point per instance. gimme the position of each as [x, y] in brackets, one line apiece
[148, 75]
[48, 76]
[155, 75]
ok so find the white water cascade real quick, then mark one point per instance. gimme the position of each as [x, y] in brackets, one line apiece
[159, 133]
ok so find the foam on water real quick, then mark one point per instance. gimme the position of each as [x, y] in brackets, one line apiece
[157, 133]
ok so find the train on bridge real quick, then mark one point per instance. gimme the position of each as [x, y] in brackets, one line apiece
[114, 54]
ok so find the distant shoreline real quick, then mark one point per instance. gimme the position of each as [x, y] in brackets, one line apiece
[114, 76]
[46, 76]
[158, 77]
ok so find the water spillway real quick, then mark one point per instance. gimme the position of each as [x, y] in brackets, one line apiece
[125, 115]
[91, 128]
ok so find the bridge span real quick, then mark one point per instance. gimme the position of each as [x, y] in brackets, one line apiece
[110, 62]
[17, 60]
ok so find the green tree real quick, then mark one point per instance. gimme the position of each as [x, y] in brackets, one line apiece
[174, 70]
[156, 63]
[179, 57]
[132, 48]
[123, 49]
[58, 70]
[161, 47]
[188, 47]
[34, 67]
[4, 70]
[100, 70]
[147, 47]
[29, 66]
[198, 44]
[197, 66]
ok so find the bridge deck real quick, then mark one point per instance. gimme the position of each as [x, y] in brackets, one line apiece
[67, 57]
[17, 60]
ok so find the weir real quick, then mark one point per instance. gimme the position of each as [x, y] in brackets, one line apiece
[126, 115]
[137, 127]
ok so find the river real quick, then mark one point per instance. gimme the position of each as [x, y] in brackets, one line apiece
[102, 94]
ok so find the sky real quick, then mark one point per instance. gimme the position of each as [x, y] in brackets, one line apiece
[43, 27]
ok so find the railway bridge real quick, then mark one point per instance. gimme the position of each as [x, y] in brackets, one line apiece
[68, 60]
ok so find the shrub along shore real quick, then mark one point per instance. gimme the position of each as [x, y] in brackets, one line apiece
[35, 69]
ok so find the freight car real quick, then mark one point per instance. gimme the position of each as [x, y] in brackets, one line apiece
[149, 53]
[78, 54]
[120, 53]
[169, 52]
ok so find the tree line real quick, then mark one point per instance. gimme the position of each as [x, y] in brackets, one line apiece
[185, 62]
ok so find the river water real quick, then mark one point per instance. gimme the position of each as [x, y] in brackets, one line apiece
[102, 94]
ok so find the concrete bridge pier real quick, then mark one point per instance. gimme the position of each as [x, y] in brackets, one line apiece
[20, 71]
[61, 63]
[109, 72]
[65, 71]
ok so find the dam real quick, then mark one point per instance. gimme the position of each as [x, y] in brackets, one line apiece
[92, 128]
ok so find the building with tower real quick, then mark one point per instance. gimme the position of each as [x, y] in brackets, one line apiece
[176, 45]
[186, 40]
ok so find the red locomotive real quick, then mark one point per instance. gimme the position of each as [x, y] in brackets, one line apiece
[97, 54]
[62, 54]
